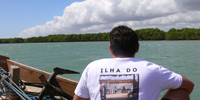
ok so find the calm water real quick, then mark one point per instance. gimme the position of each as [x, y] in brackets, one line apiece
[180, 56]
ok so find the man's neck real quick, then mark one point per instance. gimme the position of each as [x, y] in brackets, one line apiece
[123, 56]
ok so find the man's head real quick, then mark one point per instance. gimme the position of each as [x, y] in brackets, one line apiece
[123, 42]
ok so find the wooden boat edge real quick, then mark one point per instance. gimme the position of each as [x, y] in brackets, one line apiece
[30, 74]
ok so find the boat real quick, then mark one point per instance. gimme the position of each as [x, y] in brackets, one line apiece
[29, 74]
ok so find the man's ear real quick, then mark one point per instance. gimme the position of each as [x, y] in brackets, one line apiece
[138, 48]
[111, 51]
[110, 48]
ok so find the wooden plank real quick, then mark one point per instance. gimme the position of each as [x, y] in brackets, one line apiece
[14, 71]
[31, 74]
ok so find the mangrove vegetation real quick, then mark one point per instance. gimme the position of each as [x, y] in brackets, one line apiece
[144, 34]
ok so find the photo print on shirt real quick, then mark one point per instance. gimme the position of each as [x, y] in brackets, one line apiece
[119, 87]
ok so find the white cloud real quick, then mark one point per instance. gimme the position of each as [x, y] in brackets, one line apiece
[101, 15]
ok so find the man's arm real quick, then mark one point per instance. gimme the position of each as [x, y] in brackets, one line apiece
[79, 98]
[187, 84]
[176, 94]
[182, 93]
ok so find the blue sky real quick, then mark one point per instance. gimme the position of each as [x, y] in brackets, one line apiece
[17, 15]
[33, 18]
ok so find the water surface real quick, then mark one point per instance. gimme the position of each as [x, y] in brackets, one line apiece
[180, 56]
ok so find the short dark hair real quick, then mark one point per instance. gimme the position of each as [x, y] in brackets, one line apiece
[124, 41]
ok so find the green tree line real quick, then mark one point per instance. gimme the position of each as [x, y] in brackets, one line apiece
[144, 34]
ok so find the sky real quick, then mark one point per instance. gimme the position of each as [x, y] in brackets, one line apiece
[33, 18]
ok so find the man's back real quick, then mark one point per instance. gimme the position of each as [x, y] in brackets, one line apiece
[125, 78]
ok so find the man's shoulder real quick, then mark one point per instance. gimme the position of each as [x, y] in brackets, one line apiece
[136, 60]
[101, 60]
[118, 60]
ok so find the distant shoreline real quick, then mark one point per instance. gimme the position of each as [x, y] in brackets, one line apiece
[148, 34]
[98, 41]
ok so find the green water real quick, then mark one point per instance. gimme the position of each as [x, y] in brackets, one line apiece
[180, 56]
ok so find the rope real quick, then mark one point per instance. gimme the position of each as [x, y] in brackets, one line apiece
[6, 83]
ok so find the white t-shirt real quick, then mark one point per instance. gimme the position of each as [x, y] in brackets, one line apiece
[125, 79]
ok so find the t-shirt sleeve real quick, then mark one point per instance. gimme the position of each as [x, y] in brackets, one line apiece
[81, 89]
[169, 79]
